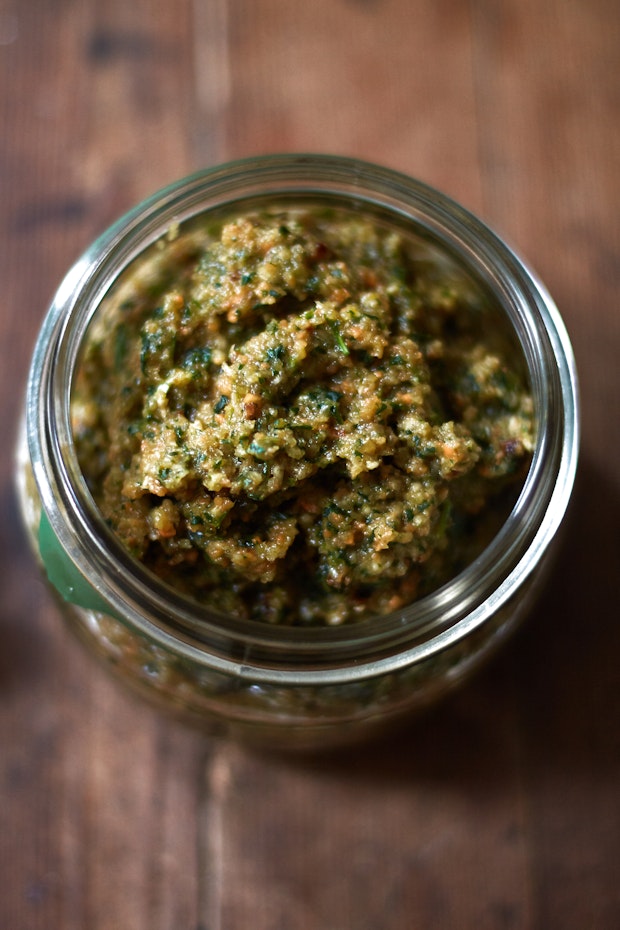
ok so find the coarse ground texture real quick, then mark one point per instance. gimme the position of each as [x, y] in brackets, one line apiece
[301, 416]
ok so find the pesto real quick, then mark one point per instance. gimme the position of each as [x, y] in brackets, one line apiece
[304, 418]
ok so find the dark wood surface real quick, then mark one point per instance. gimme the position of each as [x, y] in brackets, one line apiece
[499, 810]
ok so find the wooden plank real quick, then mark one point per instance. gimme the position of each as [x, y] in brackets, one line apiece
[98, 794]
[359, 844]
[548, 84]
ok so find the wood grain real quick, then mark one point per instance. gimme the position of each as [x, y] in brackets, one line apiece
[501, 808]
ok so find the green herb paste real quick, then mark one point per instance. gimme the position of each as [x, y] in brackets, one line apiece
[301, 417]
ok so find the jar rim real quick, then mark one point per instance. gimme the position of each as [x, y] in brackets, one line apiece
[286, 653]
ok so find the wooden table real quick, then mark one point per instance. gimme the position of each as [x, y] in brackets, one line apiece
[499, 810]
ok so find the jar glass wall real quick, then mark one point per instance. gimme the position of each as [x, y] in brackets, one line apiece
[290, 685]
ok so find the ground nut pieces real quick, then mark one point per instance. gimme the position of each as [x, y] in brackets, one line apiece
[300, 416]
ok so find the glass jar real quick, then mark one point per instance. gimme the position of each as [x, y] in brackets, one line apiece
[288, 685]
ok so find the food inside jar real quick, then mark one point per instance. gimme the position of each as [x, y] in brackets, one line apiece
[301, 415]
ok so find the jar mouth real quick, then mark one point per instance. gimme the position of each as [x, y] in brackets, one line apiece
[427, 625]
